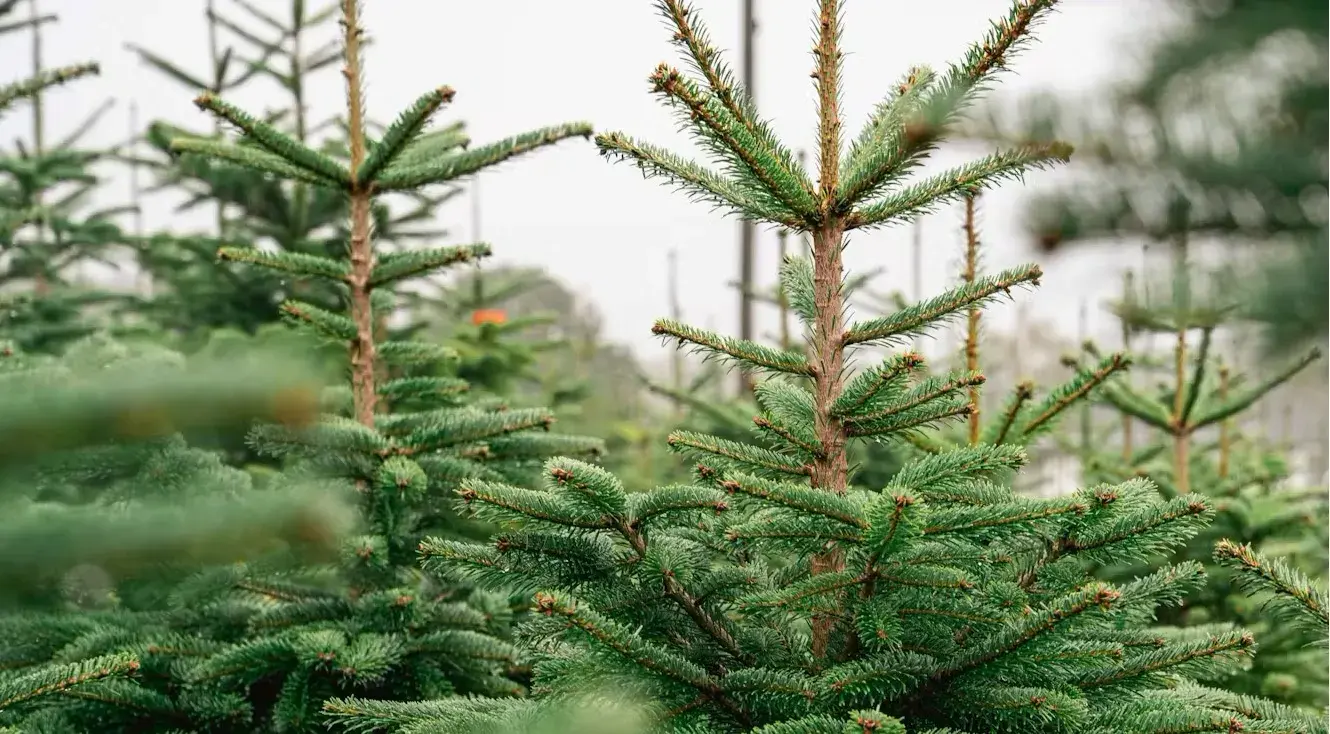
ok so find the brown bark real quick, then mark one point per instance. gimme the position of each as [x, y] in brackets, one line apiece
[363, 358]
[972, 317]
[830, 470]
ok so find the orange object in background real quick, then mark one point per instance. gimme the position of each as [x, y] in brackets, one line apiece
[488, 316]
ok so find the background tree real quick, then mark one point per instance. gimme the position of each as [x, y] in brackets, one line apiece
[191, 295]
[771, 595]
[47, 229]
[1022, 417]
[106, 509]
[1182, 434]
[1244, 161]
[395, 441]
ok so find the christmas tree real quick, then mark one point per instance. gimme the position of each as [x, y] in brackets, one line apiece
[1191, 443]
[1246, 193]
[106, 509]
[46, 227]
[703, 406]
[274, 643]
[191, 295]
[770, 595]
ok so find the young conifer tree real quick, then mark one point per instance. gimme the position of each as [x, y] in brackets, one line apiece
[770, 595]
[1243, 194]
[106, 509]
[1191, 444]
[46, 226]
[251, 46]
[370, 622]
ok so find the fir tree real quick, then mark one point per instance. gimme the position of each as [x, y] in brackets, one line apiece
[45, 225]
[1290, 594]
[1192, 444]
[191, 294]
[1247, 192]
[706, 409]
[105, 509]
[272, 643]
[772, 596]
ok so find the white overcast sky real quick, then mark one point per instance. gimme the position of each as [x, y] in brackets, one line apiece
[518, 64]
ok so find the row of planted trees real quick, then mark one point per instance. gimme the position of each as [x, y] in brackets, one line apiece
[415, 561]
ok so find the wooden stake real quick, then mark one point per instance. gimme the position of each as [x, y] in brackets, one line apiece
[1181, 432]
[917, 273]
[972, 315]
[747, 230]
[1128, 298]
[782, 302]
[1224, 425]
[676, 313]
[41, 283]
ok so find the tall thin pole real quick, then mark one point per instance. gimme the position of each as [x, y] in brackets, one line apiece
[917, 274]
[782, 302]
[40, 282]
[136, 191]
[747, 231]
[38, 112]
[1083, 329]
[1018, 340]
[972, 317]
[1128, 298]
[676, 313]
[1225, 426]
[477, 285]
[135, 188]
[215, 58]
[1182, 311]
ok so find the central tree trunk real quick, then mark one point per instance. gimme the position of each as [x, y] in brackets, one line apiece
[363, 359]
[830, 470]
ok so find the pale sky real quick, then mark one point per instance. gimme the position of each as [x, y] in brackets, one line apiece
[519, 64]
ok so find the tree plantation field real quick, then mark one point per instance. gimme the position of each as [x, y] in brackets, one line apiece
[327, 468]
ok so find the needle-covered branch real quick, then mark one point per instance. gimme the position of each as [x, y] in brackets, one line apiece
[923, 317]
[14, 91]
[274, 141]
[693, 37]
[773, 593]
[405, 129]
[417, 171]
[923, 197]
[739, 351]
[1292, 595]
[1251, 395]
